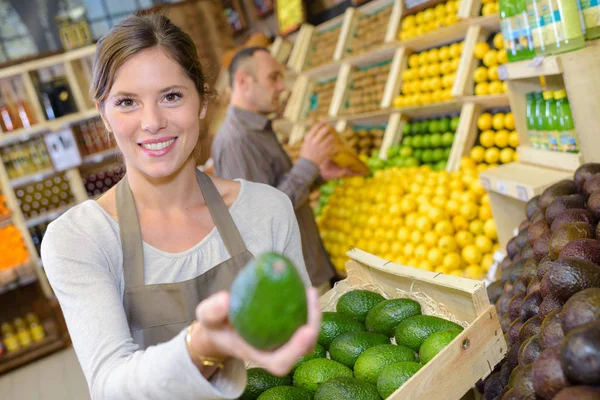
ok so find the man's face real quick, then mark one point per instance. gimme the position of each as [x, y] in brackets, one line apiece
[265, 86]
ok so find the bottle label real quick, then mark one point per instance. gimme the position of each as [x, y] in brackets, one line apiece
[543, 140]
[534, 139]
[568, 141]
[553, 139]
[566, 20]
[591, 13]
[536, 23]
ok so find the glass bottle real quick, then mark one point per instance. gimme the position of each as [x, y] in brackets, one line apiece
[539, 121]
[63, 98]
[531, 126]
[22, 332]
[46, 93]
[10, 340]
[22, 105]
[568, 136]
[549, 120]
[37, 330]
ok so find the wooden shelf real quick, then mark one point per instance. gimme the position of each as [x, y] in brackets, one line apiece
[19, 282]
[36, 350]
[32, 178]
[24, 134]
[5, 220]
[430, 110]
[521, 181]
[488, 102]
[97, 158]
[47, 217]
[530, 68]
[550, 159]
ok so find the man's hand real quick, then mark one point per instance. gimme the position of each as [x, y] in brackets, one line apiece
[330, 171]
[318, 143]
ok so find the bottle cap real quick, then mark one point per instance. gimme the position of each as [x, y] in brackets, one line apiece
[560, 94]
[548, 95]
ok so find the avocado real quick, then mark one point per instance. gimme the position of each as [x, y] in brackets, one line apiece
[530, 306]
[318, 352]
[511, 247]
[551, 331]
[530, 328]
[591, 185]
[494, 291]
[522, 240]
[523, 384]
[374, 360]
[334, 324]
[524, 225]
[505, 263]
[541, 247]
[563, 203]
[519, 287]
[514, 308]
[260, 380]
[493, 386]
[529, 271]
[413, 331]
[514, 375]
[532, 206]
[529, 351]
[358, 303]
[569, 276]
[567, 233]
[560, 188]
[512, 357]
[534, 285]
[285, 393]
[593, 204]
[549, 305]
[543, 266]
[537, 230]
[503, 302]
[579, 393]
[505, 322]
[348, 346]
[395, 375]
[585, 172]
[580, 354]
[435, 343]
[527, 253]
[313, 373]
[347, 388]
[538, 216]
[385, 316]
[547, 374]
[585, 249]
[515, 270]
[505, 374]
[513, 331]
[572, 215]
[252, 301]
[583, 307]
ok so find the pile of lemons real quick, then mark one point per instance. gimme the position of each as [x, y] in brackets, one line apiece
[429, 20]
[489, 7]
[487, 81]
[429, 76]
[496, 144]
[433, 220]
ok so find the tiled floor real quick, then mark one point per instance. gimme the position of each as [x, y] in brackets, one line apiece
[56, 377]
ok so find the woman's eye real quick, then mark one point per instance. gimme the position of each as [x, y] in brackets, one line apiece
[172, 97]
[125, 103]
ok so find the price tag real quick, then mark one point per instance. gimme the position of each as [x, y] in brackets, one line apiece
[536, 62]
[485, 183]
[522, 193]
[501, 187]
[63, 150]
[290, 15]
[502, 73]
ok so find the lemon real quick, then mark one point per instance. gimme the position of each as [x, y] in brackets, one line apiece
[419, 18]
[403, 234]
[480, 74]
[496, 87]
[433, 69]
[447, 244]
[428, 15]
[469, 211]
[492, 73]
[435, 256]
[409, 22]
[451, 7]
[452, 207]
[454, 63]
[456, 272]
[467, 163]
[416, 237]
[455, 50]
[423, 59]
[430, 239]
[492, 155]
[501, 138]
[507, 155]
[411, 220]
[444, 53]
[502, 57]
[482, 89]
[490, 58]
[413, 61]
[487, 261]
[450, 19]
[513, 139]
[452, 261]
[480, 50]
[423, 71]
[460, 223]
[423, 224]
[484, 121]
[409, 249]
[487, 138]
[464, 238]
[477, 154]
[481, 167]
[488, 9]
[439, 10]
[484, 243]
[421, 252]
[509, 121]
[474, 272]
[499, 41]
[426, 98]
[498, 121]
[433, 55]
[471, 254]
[489, 228]
[444, 228]
[505, 87]
[425, 265]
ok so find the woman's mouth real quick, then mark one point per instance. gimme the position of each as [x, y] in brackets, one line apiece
[158, 147]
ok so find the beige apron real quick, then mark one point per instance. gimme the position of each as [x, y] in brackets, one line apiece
[157, 313]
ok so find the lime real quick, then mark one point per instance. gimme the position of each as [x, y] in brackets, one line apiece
[454, 124]
[438, 155]
[393, 151]
[412, 162]
[407, 141]
[406, 130]
[398, 162]
[417, 142]
[414, 128]
[436, 140]
[447, 139]
[433, 126]
[424, 127]
[444, 124]
[427, 156]
[447, 152]
[426, 141]
[406, 151]
[418, 154]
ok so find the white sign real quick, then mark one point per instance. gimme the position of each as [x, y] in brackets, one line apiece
[63, 149]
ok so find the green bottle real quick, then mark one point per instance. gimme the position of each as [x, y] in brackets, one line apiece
[560, 26]
[539, 104]
[516, 30]
[550, 127]
[590, 9]
[568, 137]
[534, 141]
[536, 24]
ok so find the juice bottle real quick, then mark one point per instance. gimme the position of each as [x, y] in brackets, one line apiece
[534, 141]
[10, 340]
[22, 332]
[568, 137]
[538, 26]
[516, 30]
[590, 10]
[549, 124]
[565, 31]
[539, 121]
[36, 329]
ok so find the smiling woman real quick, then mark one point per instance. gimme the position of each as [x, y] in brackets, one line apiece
[142, 273]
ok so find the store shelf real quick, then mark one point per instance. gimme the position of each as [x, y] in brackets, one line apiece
[97, 158]
[47, 217]
[32, 178]
[521, 181]
[550, 159]
[431, 110]
[530, 68]
[18, 281]
[49, 345]
[487, 102]
[491, 22]
[24, 134]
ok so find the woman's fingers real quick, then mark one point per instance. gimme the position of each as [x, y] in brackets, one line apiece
[213, 312]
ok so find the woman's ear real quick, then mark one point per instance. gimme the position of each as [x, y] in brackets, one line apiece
[100, 109]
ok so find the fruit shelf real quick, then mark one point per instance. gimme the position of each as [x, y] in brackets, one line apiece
[469, 357]
[100, 157]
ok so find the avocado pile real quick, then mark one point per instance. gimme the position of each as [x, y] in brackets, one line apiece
[548, 298]
[354, 357]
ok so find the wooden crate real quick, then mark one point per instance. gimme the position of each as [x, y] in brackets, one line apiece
[471, 356]
[370, 130]
[305, 98]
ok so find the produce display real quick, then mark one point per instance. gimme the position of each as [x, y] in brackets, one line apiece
[323, 46]
[429, 20]
[424, 142]
[433, 220]
[496, 143]
[26, 158]
[320, 99]
[429, 76]
[365, 140]
[355, 357]
[491, 55]
[99, 180]
[489, 7]
[44, 196]
[92, 137]
[366, 88]
[548, 297]
[21, 333]
[12, 248]
[370, 31]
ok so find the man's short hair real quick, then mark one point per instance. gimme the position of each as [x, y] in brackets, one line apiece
[239, 58]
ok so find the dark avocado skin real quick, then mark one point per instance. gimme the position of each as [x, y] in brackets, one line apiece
[580, 354]
[547, 373]
[585, 172]
[551, 332]
[563, 203]
[529, 351]
[569, 276]
[564, 187]
[530, 328]
[579, 393]
[566, 234]
[572, 215]
[580, 309]
[585, 249]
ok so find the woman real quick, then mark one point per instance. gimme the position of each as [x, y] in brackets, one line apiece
[130, 269]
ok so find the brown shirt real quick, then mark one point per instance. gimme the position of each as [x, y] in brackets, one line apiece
[246, 147]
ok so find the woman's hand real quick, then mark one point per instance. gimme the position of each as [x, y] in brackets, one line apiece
[213, 336]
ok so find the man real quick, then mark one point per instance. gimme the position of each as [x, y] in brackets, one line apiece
[246, 147]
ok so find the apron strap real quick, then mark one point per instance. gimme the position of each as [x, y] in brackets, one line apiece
[232, 239]
[131, 236]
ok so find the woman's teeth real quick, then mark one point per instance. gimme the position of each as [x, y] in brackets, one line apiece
[158, 146]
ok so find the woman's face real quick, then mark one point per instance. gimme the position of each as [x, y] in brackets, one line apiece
[153, 112]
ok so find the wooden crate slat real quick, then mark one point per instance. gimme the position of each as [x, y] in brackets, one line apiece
[393, 28]
[351, 17]
[393, 134]
[466, 135]
[393, 85]
[463, 84]
[341, 90]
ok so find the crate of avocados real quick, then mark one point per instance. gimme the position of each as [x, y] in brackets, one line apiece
[445, 334]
